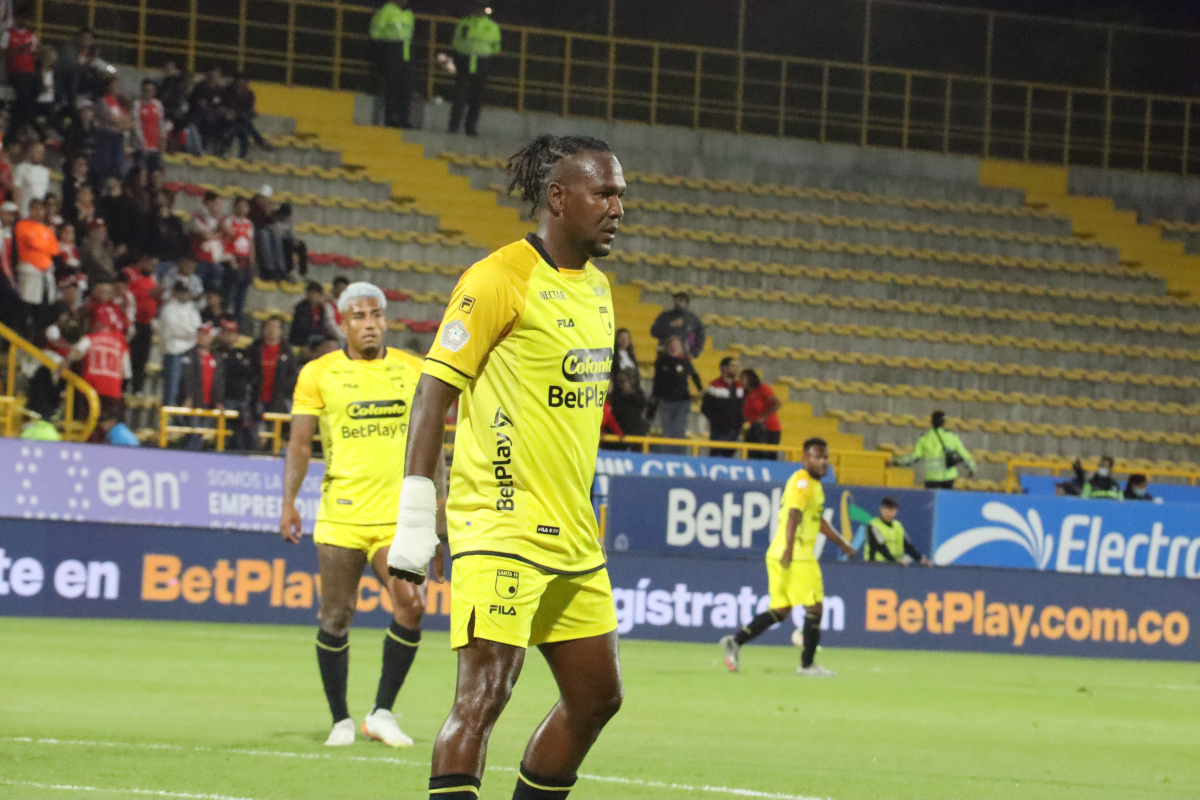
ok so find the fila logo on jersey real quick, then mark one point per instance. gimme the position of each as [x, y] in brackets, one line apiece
[377, 409]
[588, 366]
[504, 611]
[507, 582]
[549, 530]
[467, 304]
[566, 323]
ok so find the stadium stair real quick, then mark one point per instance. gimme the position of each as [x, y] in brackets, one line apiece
[1141, 245]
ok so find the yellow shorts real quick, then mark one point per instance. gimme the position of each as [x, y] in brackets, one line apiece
[369, 539]
[798, 585]
[521, 605]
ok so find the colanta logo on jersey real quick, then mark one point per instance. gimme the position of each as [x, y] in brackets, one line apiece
[588, 366]
[377, 409]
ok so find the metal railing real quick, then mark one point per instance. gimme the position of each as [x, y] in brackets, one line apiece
[219, 428]
[1058, 467]
[73, 430]
[324, 43]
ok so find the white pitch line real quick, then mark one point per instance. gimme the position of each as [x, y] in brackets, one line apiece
[69, 787]
[727, 790]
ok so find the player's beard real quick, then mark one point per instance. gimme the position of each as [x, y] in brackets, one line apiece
[370, 352]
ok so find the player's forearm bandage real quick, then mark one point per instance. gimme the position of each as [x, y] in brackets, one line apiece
[416, 529]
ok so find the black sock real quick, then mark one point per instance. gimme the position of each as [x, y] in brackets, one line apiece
[333, 657]
[756, 627]
[812, 638]
[531, 786]
[457, 786]
[399, 650]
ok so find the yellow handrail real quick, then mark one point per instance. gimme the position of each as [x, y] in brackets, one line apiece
[1012, 483]
[165, 429]
[72, 430]
[583, 74]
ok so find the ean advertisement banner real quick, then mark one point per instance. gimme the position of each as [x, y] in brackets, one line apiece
[98, 483]
[1067, 534]
[735, 518]
[94, 570]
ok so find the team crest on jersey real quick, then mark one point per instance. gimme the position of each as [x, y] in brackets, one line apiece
[454, 336]
[606, 318]
[507, 582]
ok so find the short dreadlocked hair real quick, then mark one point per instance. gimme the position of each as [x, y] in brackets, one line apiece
[529, 170]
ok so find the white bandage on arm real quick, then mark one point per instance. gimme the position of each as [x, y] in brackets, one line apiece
[416, 526]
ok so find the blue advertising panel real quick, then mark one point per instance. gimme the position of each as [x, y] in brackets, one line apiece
[142, 572]
[1164, 492]
[1067, 534]
[735, 518]
[888, 606]
[84, 569]
[97, 483]
[611, 463]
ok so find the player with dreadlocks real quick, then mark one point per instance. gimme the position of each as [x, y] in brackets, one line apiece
[527, 341]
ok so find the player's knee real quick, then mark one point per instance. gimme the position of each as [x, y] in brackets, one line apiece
[409, 613]
[336, 618]
[815, 611]
[609, 705]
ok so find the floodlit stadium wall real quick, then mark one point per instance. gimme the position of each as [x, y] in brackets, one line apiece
[73, 569]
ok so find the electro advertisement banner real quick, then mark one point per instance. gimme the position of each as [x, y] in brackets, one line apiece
[82, 569]
[142, 572]
[98, 483]
[610, 463]
[734, 518]
[1067, 534]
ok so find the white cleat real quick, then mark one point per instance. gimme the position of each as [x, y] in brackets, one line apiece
[342, 734]
[732, 651]
[815, 671]
[381, 726]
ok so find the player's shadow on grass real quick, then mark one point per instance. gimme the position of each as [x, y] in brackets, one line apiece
[311, 736]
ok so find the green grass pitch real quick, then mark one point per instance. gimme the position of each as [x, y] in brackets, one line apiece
[150, 709]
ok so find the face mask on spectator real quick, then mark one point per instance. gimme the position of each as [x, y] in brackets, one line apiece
[1102, 472]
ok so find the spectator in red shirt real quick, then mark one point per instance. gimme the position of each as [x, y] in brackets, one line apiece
[760, 410]
[201, 384]
[722, 406]
[103, 312]
[239, 244]
[151, 127]
[105, 356]
[146, 294]
[20, 63]
[113, 120]
[273, 368]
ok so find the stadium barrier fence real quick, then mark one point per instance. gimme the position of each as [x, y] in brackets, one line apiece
[73, 429]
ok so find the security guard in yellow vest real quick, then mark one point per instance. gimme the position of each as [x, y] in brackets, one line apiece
[391, 35]
[476, 40]
[940, 452]
[887, 539]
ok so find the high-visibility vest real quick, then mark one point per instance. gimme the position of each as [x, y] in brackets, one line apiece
[392, 23]
[476, 37]
[892, 536]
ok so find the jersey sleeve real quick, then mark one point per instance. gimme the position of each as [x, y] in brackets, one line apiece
[799, 490]
[307, 398]
[483, 309]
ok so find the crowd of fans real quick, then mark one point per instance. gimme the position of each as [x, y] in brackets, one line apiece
[738, 405]
[92, 272]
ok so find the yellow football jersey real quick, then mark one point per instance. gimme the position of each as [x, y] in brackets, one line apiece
[363, 408]
[531, 346]
[804, 492]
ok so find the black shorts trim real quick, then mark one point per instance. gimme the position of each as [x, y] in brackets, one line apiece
[529, 562]
[447, 366]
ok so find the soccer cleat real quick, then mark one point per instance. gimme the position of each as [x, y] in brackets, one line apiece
[381, 726]
[731, 648]
[815, 671]
[342, 734]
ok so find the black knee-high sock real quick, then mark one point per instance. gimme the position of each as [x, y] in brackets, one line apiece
[399, 650]
[531, 786]
[457, 786]
[812, 638]
[756, 627]
[333, 657]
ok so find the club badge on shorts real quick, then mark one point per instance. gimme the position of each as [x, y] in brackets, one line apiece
[507, 582]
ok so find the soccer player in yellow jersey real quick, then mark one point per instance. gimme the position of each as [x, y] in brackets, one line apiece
[793, 572]
[360, 397]
[528, 342]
